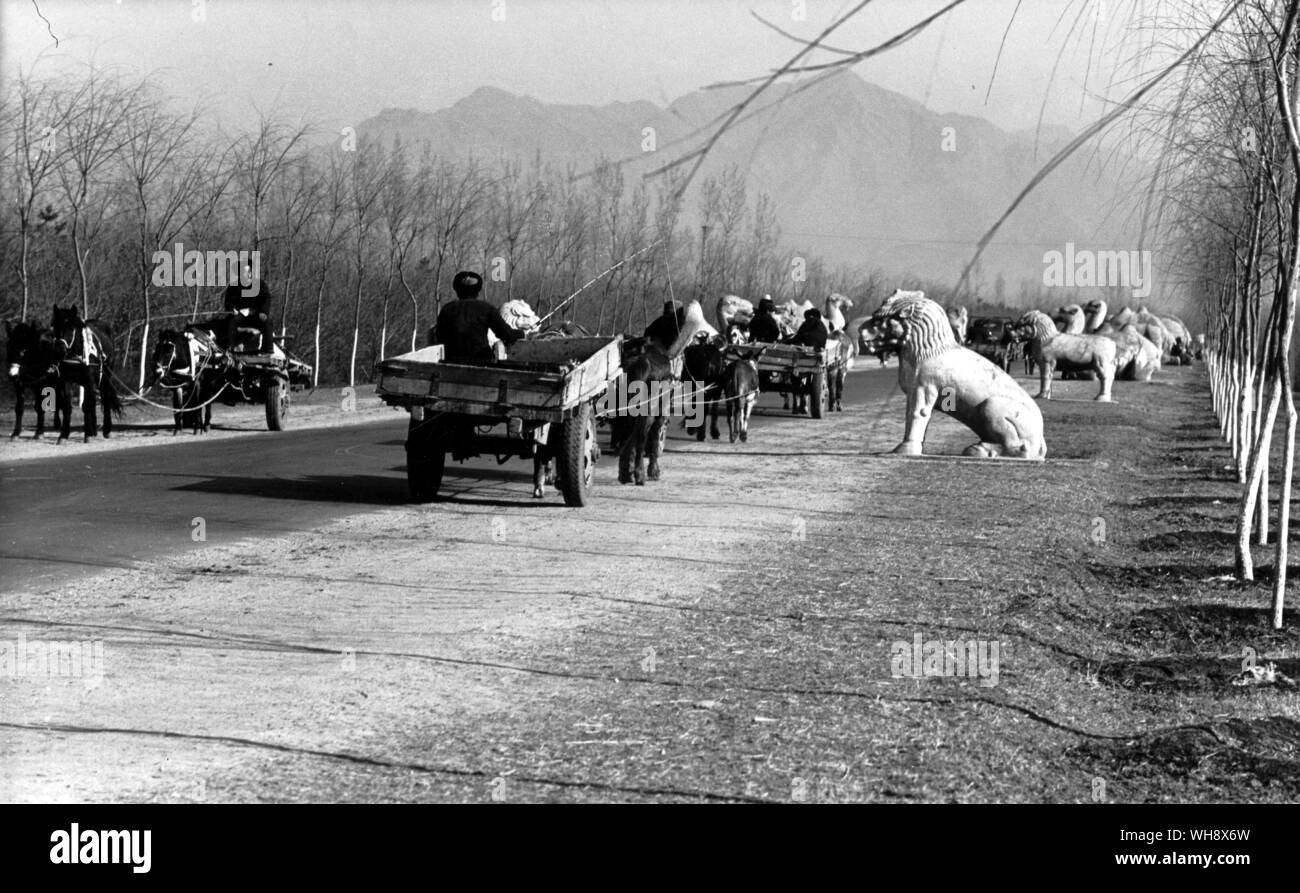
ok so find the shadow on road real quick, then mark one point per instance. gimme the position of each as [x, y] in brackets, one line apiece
[366, 489]
[360, 488]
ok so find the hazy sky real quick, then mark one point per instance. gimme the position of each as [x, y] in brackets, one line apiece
[339, 62]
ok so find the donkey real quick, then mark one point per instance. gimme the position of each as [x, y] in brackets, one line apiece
[31, 366]
[85, 364]
[740, 390]
[638, 431]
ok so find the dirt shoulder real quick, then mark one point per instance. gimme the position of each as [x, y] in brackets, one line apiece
[730, 633]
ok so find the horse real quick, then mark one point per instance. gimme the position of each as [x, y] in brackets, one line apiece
[180, 361]
[85, 363]
[31, 367]
[638, 430]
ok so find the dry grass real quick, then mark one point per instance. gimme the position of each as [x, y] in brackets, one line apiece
[1119, 656]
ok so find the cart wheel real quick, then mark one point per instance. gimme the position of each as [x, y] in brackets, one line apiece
[277, 404]
[818, 394]
[425, 459]
[576, 456]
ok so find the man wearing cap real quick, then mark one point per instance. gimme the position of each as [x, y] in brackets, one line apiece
[665, 329]
[463, 325]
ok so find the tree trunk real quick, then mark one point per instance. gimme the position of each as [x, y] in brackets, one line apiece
[144, 338]
[288, 291]
[1258, 458]
[356, 328]
[415, 306]
[22, 269]
[320, 298]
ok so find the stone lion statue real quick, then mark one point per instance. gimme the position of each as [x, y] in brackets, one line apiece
[1054, 350]
[934, 370]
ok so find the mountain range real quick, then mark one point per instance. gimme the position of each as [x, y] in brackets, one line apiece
[859, 174]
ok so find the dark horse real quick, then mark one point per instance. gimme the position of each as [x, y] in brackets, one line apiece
[640, 428]
[636, 431]
[85, 363]
[182, 363]
[705, 366]
[31, 365]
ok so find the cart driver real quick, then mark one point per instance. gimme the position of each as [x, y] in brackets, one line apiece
[664, 330]
[812, 333]
[463, 325]
[246, 306]
[764, 327]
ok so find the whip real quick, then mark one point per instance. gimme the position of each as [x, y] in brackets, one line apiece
[596, 279]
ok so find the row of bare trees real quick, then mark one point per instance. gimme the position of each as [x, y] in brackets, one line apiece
[358, 237]
[1230, 174]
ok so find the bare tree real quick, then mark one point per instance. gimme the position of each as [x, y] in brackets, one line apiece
[297, 198]
[331, 228]
[367, 179]
[40, 143]
[260, 159]
[161, 181]
[93, 114]
[459, 198]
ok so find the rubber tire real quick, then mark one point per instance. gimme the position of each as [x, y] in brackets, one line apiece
[575, 461]
[425, 460]
[277, 404]
[818, 395]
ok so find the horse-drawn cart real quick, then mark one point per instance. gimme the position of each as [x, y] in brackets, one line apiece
[198, 371]
[266, 378]
[802, 371]
[537, 403]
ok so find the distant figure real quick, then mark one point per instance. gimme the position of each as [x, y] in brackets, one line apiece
[812, 333]
[764, 327]
[248, 310]
[463, 325]
[665, 329]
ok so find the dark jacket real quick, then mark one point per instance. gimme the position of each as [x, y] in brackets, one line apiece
[811, 334]
[666, 328]
[764, 328]
[463, 326]
[235, 299]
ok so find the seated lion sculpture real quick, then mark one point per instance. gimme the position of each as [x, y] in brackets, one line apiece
[934, 370]
[1052, 349]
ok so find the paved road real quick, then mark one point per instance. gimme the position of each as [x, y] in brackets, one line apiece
[74, 515]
